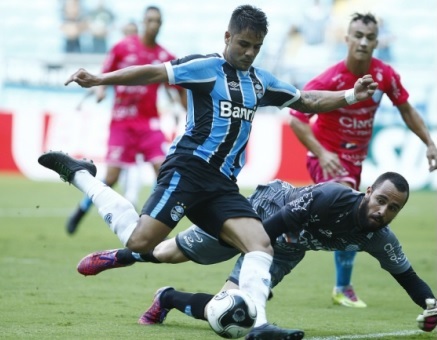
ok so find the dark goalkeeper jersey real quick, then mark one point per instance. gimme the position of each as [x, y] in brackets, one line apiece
[324, 217]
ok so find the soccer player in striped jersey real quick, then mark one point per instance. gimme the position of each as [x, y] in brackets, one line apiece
[198, 177]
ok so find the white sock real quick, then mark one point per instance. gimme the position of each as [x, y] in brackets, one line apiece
[118, 213]
[255, 280]
[130, 183]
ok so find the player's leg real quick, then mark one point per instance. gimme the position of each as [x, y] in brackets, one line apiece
[344, 265]
[232, 217]
[86, 202]
[249, 236]
[343, 293]
[117, 150]
[165, 252]
[131, 183]
[140, 234]
[167, 298]
[78, 214]
[191, 304]
[192, 244]
[200, 247]
[195, 304]
[286, 257]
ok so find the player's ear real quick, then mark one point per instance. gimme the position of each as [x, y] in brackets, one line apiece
[369, 190]
[227, 37]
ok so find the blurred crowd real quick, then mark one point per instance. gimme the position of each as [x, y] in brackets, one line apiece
[77, 22]
[304, 36]
[313, 31]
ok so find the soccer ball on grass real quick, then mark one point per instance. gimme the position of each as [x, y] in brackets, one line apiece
[231, 313]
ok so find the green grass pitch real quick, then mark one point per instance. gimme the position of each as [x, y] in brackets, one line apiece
[43, 297]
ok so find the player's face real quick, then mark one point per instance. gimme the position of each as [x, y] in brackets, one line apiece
[152, 22]
[380, 206]
[242, 48]
[362, 40]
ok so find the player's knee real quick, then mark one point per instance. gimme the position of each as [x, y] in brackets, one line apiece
[263, 245]
[168, 252]
[139, 244]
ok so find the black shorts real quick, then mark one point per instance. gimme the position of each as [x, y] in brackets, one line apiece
[200, 247]
[189, 186]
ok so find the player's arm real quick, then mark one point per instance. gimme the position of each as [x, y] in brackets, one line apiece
[421, 294]
[401, 269]
[416, 124]
[329, 161]
[132, 75]
[303, 132]
[325, 101]
[416, 288]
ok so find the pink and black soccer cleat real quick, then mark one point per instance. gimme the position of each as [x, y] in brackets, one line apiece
[97, 262]
[155, 314]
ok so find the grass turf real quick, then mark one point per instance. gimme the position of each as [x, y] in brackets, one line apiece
[43, 297]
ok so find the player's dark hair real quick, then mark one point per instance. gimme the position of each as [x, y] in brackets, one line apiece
[365, 18]
[248, 17]
[152, 8]
[398, 181]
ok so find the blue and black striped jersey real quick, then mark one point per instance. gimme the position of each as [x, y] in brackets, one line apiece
[222, 102]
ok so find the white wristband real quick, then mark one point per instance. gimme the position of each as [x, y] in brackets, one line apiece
[349, 96]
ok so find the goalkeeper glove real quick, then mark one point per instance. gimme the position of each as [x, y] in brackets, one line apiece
[427, 321]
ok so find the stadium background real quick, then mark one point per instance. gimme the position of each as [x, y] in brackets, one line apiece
[37, 112]
[41, 294]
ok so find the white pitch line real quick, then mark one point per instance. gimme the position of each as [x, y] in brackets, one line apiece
[367, 336]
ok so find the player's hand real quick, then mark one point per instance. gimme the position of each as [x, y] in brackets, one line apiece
[365, 87]
[431, 154]
[83, 78]
[331, 165]
[427, 321]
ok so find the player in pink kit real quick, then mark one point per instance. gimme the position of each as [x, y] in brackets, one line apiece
[135, 125]
[338, 141]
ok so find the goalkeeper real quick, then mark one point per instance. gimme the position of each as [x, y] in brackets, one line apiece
[326, 216]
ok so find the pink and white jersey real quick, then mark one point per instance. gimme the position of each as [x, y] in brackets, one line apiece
[134, 104]
[347, 131]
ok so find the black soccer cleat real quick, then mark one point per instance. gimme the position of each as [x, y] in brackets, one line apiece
[270, 331]
[65, 165]
[74, 220]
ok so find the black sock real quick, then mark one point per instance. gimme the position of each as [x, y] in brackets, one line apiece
[148, 257]
[187, 303]
[126, 256]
